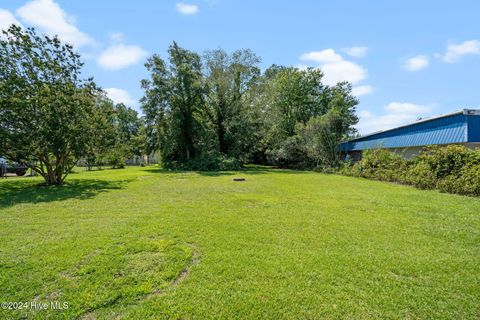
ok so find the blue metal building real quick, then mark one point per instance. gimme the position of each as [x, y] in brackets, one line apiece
[461, 127]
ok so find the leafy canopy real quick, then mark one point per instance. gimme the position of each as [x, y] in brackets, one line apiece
[48, 112]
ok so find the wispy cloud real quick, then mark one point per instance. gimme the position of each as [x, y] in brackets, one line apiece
[357, 52]
[187, 9]
[395, 114]
[408, 108]
[52, 19]
[455, 52]
[417, 63]
[120, 96]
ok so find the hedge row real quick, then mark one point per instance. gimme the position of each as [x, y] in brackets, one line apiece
[452, 169]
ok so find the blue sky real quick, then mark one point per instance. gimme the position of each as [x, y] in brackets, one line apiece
[406, 59]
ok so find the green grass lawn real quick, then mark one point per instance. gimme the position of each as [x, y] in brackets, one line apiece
[142, 243]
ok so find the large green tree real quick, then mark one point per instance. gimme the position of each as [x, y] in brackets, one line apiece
[48, 112]
[292, 97]
[186, 98]
[119, 135]
[128, 136]
[128, 124]
[320, 136]
[155, 103]
[104, 136]
[228, 78]
[296, 96]
[228, 111]
[172, 104]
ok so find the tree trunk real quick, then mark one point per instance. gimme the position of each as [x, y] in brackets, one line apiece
[188, 136]
[53, 178]
[222, 144]
[54, 172]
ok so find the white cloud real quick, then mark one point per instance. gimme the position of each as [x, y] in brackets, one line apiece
[335, 68]
[396, 114]
[343, 71]
[362, 90]
[120, 96]
[187, 9]
[410, 108]
[49, 16]
[383, 122]
[357, 52]
[324, 56]
[456, 51]
[417, 63]
[119, 56]
[7, 19]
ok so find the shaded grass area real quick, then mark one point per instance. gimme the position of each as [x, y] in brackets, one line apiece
[27, 191]
[145, 243]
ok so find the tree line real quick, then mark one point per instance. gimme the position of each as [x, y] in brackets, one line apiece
[218, 111]
[210, 111]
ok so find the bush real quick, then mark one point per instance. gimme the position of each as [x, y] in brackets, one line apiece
[452, 169]
[290, 154]
[382, 165]
[467, 182]
[447, 160]
[352, 169]
[116, 159]
[213, 161]
[420, 175]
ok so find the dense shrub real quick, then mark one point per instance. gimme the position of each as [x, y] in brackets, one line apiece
[383, 165]
[115, 158]
[466, 182]
[290, 154]
[420, 175]
[213, 161]
[351, 169]
[452, 169]
[444, 161]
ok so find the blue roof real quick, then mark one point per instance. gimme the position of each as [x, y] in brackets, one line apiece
[458, 127]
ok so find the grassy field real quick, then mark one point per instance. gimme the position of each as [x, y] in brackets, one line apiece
[142, 243]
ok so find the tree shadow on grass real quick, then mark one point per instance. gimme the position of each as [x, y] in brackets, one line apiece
[16, 192]
[248, 169]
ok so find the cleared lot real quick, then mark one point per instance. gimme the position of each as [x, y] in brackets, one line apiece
[144, 243]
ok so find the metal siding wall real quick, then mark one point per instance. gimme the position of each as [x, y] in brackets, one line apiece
[474, 129]
[451, 129]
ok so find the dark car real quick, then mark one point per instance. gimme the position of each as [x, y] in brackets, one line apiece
[19, 169]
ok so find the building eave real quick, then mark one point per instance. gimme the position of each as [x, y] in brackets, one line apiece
[462, 111]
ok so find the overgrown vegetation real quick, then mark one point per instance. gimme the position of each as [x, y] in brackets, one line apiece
[452, 169]
[220, 111]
